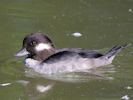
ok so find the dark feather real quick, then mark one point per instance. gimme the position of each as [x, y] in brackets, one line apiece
[71, 53]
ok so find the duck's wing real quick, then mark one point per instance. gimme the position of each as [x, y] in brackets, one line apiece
[67, 53]
[83, 52]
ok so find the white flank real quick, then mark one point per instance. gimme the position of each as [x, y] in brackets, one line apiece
[42, 46]
[31, 63]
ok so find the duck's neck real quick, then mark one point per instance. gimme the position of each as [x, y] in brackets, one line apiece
[40, 56]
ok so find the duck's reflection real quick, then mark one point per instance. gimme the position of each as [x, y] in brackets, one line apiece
[35, 88]
[39, 86]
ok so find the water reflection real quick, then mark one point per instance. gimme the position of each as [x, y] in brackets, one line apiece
[40, 86]
[35, 89]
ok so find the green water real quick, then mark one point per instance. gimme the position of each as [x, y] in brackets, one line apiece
[103, 23]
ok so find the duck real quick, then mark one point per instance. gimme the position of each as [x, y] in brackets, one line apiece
[43, 57]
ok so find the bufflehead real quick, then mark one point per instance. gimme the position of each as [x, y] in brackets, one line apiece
[44, 58]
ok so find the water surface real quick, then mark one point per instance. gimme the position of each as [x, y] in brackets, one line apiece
[102, 23]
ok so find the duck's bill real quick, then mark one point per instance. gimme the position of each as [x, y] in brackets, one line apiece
[22, 52]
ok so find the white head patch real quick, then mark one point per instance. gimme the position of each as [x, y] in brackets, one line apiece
[42, 46]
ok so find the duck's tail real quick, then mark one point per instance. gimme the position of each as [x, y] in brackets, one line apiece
[114, 50]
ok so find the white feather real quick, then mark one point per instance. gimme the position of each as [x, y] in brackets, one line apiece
[42, 46]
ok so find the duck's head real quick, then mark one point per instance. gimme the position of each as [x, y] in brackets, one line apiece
[37, 46]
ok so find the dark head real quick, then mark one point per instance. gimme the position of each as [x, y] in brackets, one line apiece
[37, 46]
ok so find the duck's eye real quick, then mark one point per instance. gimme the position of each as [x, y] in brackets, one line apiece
[33, 43]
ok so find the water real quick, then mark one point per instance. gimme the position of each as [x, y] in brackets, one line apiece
[102, 23]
